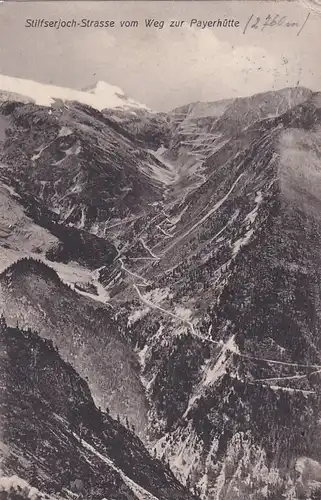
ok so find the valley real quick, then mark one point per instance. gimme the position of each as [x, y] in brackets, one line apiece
[170, 262]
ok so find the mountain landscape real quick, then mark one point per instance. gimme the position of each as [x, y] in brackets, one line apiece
[160, 296]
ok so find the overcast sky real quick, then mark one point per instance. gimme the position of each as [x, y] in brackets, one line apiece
[163, 68]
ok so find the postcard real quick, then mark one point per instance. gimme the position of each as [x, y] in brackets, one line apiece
[160, 235]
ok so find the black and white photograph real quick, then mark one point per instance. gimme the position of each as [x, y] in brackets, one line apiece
[160, 250]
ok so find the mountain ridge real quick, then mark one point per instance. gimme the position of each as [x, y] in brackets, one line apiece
[213, 289]
[102, 95]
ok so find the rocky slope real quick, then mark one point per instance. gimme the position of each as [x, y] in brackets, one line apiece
[204, 316]
[32, 294]
[229, 316]
[68, 168]
[55, 440]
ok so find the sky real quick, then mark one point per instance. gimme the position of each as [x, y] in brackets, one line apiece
[169, 67]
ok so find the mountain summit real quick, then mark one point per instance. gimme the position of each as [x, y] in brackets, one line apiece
[101, 96]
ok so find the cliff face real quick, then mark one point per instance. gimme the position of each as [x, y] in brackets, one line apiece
[187, 284]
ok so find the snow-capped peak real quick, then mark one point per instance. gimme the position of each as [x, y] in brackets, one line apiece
[101, 96]
[102, 86]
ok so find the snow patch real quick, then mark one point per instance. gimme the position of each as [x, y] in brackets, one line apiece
[213, 371]
[142, 356]
[137, 315]
[64, 132]
[100, 97]
[183, 313]
[73, 150]
[250, 218]
[241, 242]
[219, 368]
[159, 173]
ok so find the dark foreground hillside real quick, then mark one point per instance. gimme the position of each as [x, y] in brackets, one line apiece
[55, 438]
